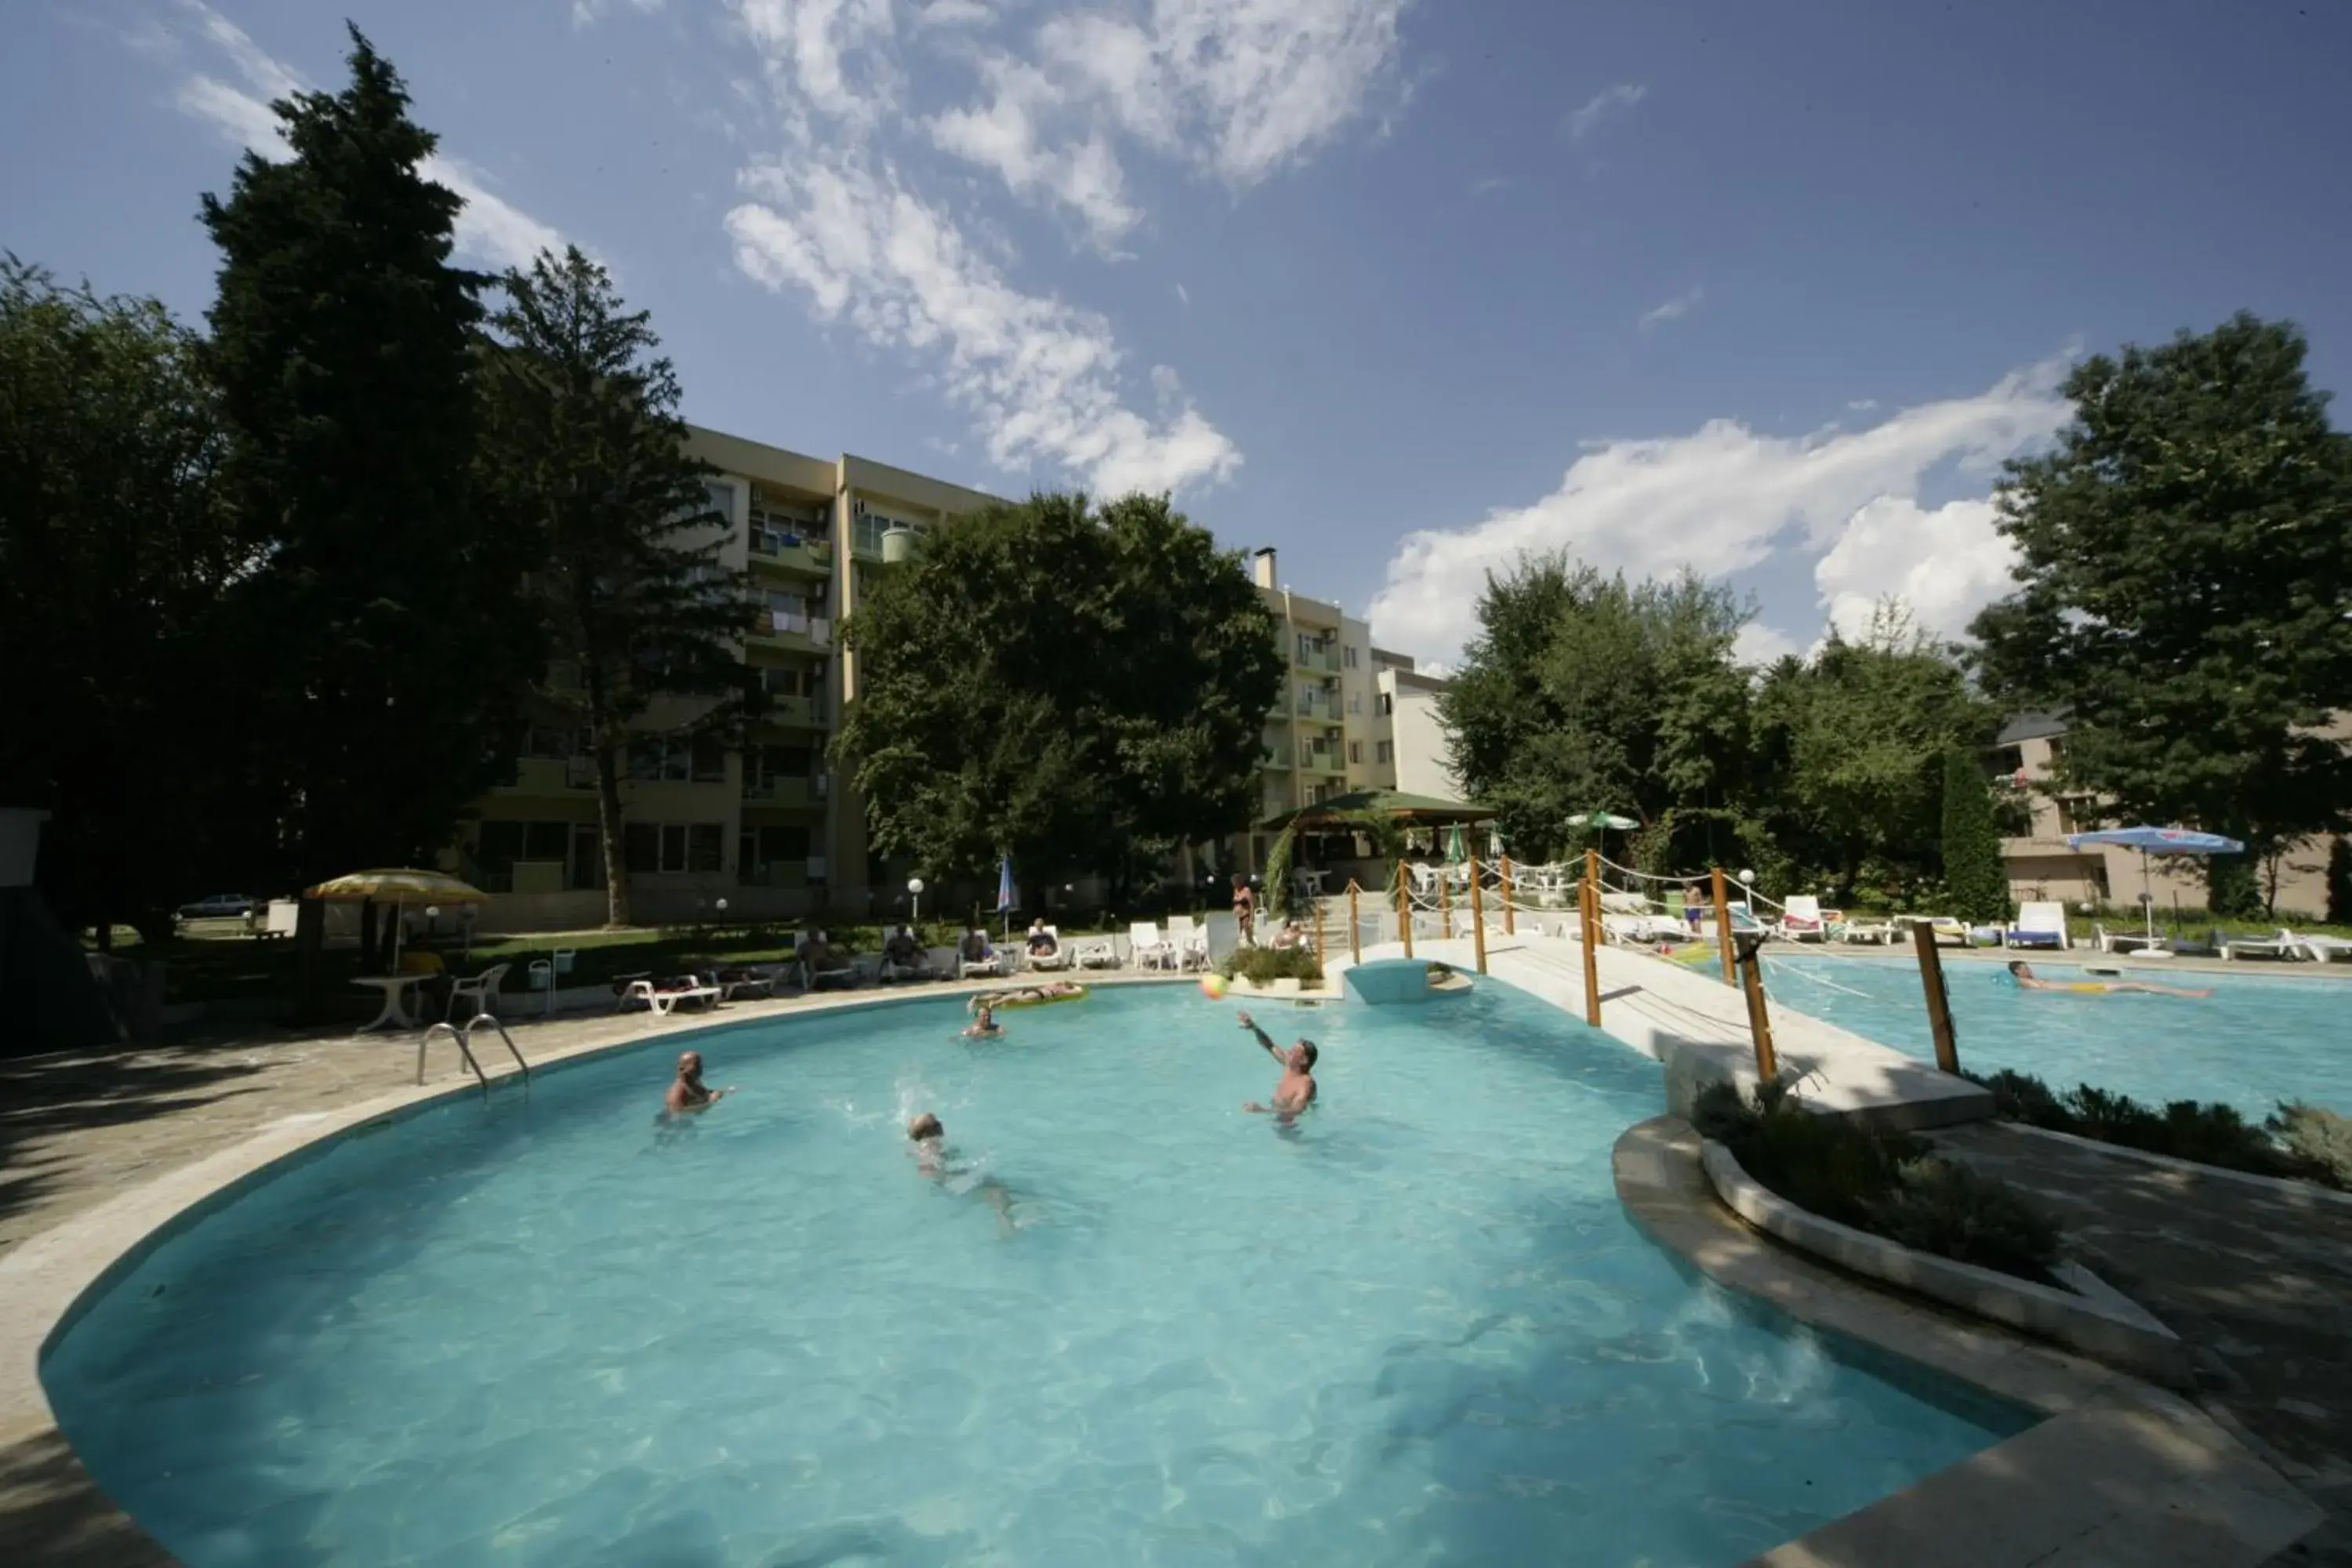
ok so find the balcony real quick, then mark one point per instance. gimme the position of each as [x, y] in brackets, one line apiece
[1314, 705]
[795, 713]
[790, 632]
[791, 552]
[808, 792]
[1323, 661]
[553, 776]
[1276, 757]
[1324, 760]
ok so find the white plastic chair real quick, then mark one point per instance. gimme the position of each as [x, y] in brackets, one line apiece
[1057, 959]
[1801, 920]
[481, 991]
[973, 968]
[1145, 946]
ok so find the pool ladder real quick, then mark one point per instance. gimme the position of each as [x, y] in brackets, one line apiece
[464, 1040]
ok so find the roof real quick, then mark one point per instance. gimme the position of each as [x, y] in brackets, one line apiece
[1421, 810]
[2032, 727]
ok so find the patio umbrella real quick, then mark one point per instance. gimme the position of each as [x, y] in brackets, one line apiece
[2158, 841]
[1602, 821]
[1008, 897]
[1455, 853]
[398, 886]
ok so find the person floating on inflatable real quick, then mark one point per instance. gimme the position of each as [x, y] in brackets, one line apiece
[2021, 974]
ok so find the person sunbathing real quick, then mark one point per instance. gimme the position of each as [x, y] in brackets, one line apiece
[2022, 973]
[1052, 990]
[687, 1091]
[1296, 1092]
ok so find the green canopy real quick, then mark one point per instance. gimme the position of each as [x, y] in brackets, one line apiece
[1411, 810]
[1455, 851]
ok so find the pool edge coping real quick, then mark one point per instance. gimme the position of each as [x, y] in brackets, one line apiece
[2114, 1461]
[52, 1279]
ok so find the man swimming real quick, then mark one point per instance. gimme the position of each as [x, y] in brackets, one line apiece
[984, 1025]
[687, 1092]
[1296, 1092]
[2023, 973]
[931, 1141]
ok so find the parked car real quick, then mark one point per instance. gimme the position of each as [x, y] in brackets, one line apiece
[219, 907]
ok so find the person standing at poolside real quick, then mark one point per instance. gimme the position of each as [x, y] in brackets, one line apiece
[1246, 910]
[2023, 973]
[687, 1091]
[1296, 1092]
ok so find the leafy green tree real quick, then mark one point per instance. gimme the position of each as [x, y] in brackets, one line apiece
[1083, 687]
[1851, 746]
[583, 455]
[1582, 692]
[1973, 876]
[2185, 558]
[115, 551]
[377, 627]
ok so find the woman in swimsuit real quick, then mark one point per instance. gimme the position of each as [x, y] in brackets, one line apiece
[1245, 909]
[2021, 972]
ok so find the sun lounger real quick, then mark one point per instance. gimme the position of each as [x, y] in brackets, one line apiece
[1145, 947]
[664, 997]
[2320, 949]
[1801, 920]
[976, 958]
[916, 968]
[1865, 930]
[1099, 955]
[1059, 958]
[2125, 941]
[2287, 944]
[2040, 924]
[734, 982]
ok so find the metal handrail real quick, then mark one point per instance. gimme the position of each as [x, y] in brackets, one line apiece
[464, 1041]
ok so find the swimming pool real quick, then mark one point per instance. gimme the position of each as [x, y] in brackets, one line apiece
[2256, 1041]
[1417, 1328]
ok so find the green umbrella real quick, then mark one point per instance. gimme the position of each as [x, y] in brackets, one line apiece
[1455, 853]
[1602, 821]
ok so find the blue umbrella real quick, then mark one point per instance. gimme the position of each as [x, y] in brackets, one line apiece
[2158, 841]
[1008, 897]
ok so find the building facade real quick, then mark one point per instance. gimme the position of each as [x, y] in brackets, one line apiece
[2025, 760]
[771, 830]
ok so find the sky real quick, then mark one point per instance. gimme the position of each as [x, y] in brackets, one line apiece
[1402, 289]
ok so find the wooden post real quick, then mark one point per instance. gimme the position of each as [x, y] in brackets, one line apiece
[1444, 901]
[1318, 930]
[1478, 917]
[1404, 912]
[1588, 910]
[1355, 924]
[1723, 925]
[1510, 925]
[1939, 1001]
[1760, 1022]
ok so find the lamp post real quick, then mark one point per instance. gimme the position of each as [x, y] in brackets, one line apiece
[1747, 891]
[915, 900]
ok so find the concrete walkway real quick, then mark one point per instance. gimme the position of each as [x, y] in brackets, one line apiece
[2256, 1277]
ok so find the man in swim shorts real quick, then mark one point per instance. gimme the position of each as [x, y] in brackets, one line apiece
[2023, 973]
[984, 1025]
[687, 1092]
[931, 1141]
[1296, 1092]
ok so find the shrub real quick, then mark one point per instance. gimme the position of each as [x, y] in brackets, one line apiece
[2207, 1133]
[1259, 965]
[2318, 1141]
[1972, 865]
[1883, 1182]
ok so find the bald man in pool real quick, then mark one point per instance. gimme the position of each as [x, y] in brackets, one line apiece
[687, 1091]
[2023, 973]
[1296, 1092]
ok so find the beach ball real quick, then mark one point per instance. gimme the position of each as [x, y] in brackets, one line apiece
[1213, 987]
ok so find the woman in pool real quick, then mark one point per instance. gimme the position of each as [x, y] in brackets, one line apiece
[2021, 972]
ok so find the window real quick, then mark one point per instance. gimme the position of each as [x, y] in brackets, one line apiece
[671, 847]
[1351, 655]
[784, 843]
[708, 760]
[705, 845]
[1385, 751]
[720, 497]
[1387, 703]
[1354, 702]
[640, 849]
[1355, 751]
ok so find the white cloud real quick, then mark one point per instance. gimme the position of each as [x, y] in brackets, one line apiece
[1726, 497]
[1489, 184]
[954, 14]
[1039, 376]
[488, 228]
[830, 53]
[1944, 564]
[1184, 295]
[1674, 309]
[586, 12]
[1005, 134]
[1604, 104]
[1862, 404]
[1759, 644]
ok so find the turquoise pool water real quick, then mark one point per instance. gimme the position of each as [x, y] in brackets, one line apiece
[1417, 1329]
[2254, 1042]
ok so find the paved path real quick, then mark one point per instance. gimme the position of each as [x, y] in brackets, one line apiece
[2256, 1277]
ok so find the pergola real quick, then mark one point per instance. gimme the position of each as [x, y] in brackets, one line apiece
[1410, 810]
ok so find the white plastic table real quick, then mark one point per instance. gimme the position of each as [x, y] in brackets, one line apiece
[395, 1014]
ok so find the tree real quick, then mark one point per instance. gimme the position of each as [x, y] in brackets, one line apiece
[2184, 561]
[1973, 877]
[1583, 692]
[377, 626]
[1853, 742]
[2339, 881]
[1085, 688]
[115, 551]
[583, 456]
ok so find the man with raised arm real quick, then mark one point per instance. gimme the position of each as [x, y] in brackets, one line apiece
[1296, 1092]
